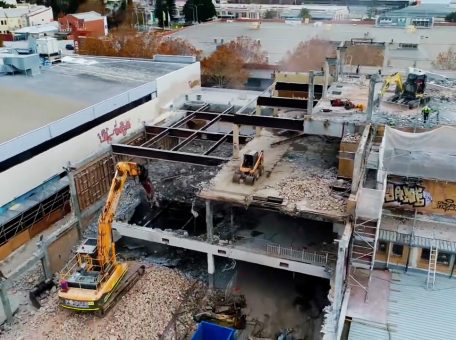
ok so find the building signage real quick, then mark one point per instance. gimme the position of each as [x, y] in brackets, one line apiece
[121, 129]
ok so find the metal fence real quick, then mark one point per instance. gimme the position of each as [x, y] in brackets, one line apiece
[319, 258]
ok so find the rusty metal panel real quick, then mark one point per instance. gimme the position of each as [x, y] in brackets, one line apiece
[93, 181]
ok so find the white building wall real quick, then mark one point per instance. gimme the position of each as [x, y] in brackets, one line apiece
[28, 175]
[14, 23]
[3, 25]
[43, 16]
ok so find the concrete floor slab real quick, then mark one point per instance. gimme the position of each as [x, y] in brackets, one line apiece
[272, 228]
[306, 161]
[375, 309]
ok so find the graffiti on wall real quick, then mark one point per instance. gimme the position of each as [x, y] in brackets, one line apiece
[121, 129]
[446, 205]
[402, 193]
[425, 196]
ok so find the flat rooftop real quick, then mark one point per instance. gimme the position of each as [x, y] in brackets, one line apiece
[271, 35]
[77, 83]
[356, 89]
[301, 173]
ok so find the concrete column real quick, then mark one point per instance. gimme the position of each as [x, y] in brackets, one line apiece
[413, 257]
[388, 254]
[310, 96]
[451, 264]
[209, 222]
[258, 128]
[236, 129]
[232, 223]
[210, 270]
[74, 199]
[370, 103]
[5, 303]
[326, 79]
[339, 279]
[337, 64]
[45, 262]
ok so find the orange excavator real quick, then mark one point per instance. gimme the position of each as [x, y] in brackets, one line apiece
[95, 279]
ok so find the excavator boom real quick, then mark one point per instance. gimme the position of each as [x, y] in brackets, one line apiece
[96, 278]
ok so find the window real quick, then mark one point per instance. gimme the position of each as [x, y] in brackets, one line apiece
[398, 249]
[425, 252]
[409, 46]
[382, 247]
[443, 258]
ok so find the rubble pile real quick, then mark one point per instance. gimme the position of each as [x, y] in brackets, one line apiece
[178, 181]
[183, 325]
[29, 278]
[349, 138]
[143, 312]
[314, 189]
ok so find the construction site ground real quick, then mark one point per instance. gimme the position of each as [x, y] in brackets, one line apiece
[142, 313]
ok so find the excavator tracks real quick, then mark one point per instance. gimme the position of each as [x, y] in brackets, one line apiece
[134, 273]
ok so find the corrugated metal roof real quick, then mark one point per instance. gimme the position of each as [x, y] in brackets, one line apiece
[414, 312]
[417, 313]
[416, 241]
[367, 331]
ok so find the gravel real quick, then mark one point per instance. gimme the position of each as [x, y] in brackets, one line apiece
[142, 313]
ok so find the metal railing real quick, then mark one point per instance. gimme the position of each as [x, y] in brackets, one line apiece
[318, 258]
[34, 214]
[71, 268]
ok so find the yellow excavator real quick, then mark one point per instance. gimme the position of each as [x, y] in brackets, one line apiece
[95, 279]
[410, 93]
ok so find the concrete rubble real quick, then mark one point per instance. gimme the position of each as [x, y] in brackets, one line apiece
[314, 190]
[350, 138]
[142, 313]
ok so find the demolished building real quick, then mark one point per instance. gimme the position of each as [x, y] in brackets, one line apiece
[341, 198]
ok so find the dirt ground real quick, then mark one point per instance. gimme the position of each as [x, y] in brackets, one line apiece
[279, 300]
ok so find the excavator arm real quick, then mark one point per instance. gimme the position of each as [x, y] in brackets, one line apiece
[394, 78]
[105, 242]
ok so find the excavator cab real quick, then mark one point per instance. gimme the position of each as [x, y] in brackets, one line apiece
[415, 85]
[250, 160]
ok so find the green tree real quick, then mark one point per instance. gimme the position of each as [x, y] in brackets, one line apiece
[5, 5]
[164, 12]
[305, 14]
[270, 14]
[199, 10]
[372, 10]
[451, 17]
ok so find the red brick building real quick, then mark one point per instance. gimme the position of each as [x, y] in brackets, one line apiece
[88, 24]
